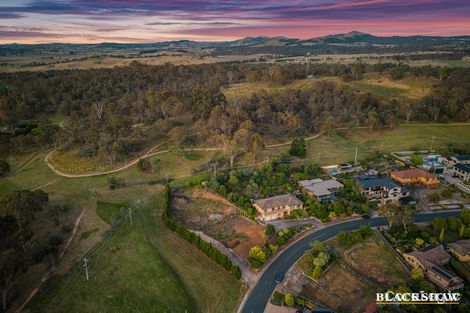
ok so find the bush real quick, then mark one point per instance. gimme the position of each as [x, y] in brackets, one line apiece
[257, 257]
[289, 300]
[56, 240]
[269, 230]
[281, 241]
[298, 148]
[144, 165]
[277, 298]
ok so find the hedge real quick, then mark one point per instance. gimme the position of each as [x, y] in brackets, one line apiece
[207, 248]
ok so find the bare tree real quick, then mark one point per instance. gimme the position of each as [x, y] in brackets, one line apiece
[99, 107]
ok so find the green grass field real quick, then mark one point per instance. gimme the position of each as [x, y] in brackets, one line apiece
[151, 270]
[341, 145]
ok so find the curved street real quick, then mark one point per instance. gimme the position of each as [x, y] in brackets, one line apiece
[261, 293]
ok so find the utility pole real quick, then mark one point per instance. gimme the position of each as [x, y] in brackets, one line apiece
[130, 215]
[432, 142]
[355, 157]
[381, 146]
[85, 265]
[215, 170]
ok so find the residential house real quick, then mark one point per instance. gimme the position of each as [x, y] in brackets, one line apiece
[277, 207]
[462, 171]
[382, 190]
[460, 249]
[432, 260]
[415, 176]
[321, 189]
[450, 161]
[433, 163]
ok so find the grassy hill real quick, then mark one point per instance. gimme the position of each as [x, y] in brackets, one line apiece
[146, 268]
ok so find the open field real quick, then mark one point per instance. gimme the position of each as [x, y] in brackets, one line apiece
[216, 289]
[66, 63]
[341, 145]
[409, 88]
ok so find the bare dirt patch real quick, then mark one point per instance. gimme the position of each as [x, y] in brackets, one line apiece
[340, 290]
[212, 214]
[377, 262]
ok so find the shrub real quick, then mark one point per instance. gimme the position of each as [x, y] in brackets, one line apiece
[289, 300]
[277, 298]
[281, 241]
[56, 240]
[144, 165]
[257, 257]
[453, 223]
[298, 148]
[417, 274]
[269, 230]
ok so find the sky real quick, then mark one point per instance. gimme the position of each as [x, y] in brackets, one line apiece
[93, 21]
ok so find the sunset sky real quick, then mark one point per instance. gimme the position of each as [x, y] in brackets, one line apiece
[91, 21]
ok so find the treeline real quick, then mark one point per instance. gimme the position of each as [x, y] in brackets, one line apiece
[115, 113]
[20, 246]
[207, 248]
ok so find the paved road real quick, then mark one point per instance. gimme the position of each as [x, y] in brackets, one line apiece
[259, 296]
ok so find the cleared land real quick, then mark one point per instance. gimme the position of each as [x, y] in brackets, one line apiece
[374, 260]
[206, 212]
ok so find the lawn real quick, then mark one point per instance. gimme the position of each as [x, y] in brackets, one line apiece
[109, 212]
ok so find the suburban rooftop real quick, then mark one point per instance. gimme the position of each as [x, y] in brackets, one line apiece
[277, 201]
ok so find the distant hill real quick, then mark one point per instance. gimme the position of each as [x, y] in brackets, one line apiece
[352, 42]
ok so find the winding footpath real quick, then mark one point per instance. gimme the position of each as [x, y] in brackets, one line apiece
[148, 154]
[258, 296]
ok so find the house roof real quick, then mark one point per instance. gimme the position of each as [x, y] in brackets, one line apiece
[431, 256]
[462, 247]
[320, 187]
[282, 200]
[462, 157]
[367, 183]
[463, 167]
[413, 172]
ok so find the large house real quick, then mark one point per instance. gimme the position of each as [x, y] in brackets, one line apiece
[450, 161]
[415, 176]
[382, 190]
[462, 171]
[277, 207]
[431, 260]
[460, 249]
[321, 189]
